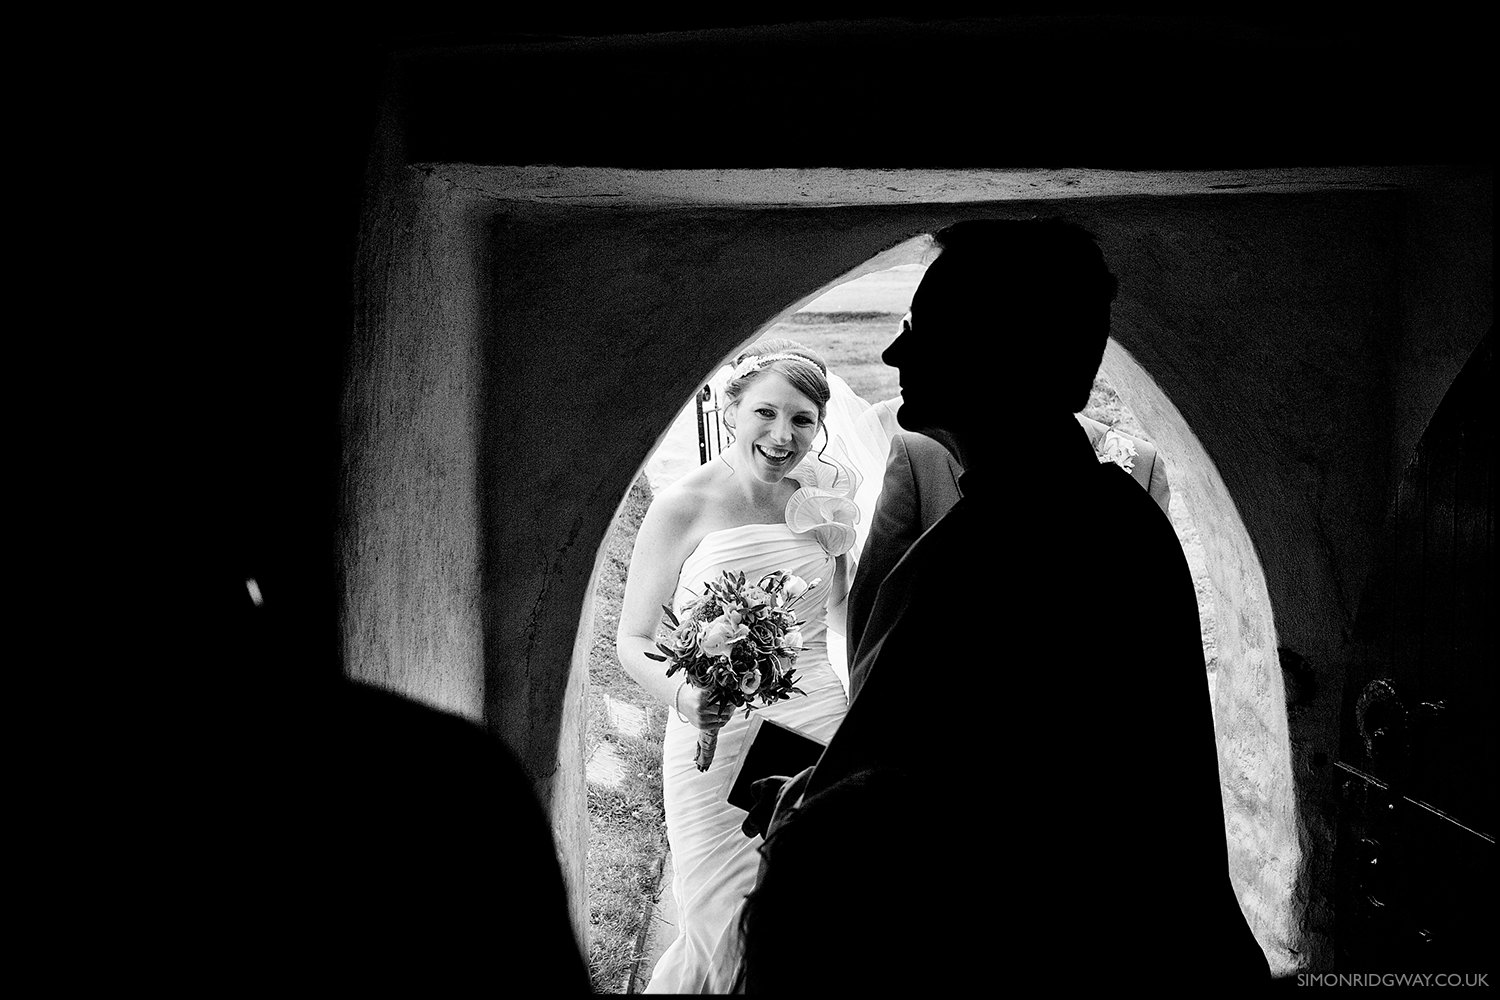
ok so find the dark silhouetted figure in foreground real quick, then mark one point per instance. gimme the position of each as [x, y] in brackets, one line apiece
[1070, 792]
[441, 863]
[384, 844]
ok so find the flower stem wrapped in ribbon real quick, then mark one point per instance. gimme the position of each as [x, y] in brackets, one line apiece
[738, 641]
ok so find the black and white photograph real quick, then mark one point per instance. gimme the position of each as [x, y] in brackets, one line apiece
[846, 507]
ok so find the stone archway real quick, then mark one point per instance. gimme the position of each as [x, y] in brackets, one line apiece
[512, 318]
[1249, 701]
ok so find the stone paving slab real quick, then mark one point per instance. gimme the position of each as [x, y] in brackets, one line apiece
[604, 766]
[626, 718]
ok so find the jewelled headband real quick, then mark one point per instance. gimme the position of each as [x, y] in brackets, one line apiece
[751, 365]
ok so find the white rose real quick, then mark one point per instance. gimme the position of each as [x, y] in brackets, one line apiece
[794, 587]
[722, 633]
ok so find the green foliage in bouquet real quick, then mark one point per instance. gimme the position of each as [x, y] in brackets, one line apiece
[739, 640]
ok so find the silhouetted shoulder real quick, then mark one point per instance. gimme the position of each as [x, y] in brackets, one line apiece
[401, 785]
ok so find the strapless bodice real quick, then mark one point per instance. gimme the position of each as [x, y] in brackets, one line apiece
[758, 549]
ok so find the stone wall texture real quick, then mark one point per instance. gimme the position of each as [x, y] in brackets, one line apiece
[442, 291]
[515, 361]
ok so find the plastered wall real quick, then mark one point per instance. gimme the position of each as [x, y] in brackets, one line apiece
[515, 359]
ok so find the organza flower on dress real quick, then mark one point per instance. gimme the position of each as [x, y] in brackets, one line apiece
[824, 504]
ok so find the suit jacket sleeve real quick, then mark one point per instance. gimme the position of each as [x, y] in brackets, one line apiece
[894, 525]
[936, 481]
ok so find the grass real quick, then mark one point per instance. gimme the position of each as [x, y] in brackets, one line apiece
[627, 843]
[850, 344]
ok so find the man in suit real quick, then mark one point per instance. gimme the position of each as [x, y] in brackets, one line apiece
[1072, 768]
[920, 486]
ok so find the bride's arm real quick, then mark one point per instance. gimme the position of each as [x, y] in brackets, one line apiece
[660, 548]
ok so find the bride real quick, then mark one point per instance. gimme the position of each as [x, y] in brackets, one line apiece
[857, 441]
[747, 510]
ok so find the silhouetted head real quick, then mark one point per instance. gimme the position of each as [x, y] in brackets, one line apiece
[1017, 309]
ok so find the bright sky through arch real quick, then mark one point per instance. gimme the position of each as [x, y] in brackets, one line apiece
[882, 291]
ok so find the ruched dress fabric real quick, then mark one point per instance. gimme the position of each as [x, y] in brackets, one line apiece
[714, 862]
[857, 444]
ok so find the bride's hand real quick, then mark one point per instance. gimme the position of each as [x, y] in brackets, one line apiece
[694, 705]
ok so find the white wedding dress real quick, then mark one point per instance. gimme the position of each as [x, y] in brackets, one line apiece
[855, 439]
[714, 862]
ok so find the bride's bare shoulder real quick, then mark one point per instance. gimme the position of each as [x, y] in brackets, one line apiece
[682, 506]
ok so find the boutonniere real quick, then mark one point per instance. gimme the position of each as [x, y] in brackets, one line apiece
[1117, 448]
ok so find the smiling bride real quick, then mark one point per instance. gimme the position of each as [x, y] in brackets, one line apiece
[774, 499]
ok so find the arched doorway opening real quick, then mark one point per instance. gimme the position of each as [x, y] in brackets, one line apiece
[849, 322]
[627, 868]
[1245, 685]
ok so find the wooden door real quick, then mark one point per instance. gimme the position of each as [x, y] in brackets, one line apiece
[1415, 861]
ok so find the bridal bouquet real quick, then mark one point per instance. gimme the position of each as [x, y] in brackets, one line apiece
[738, 641]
